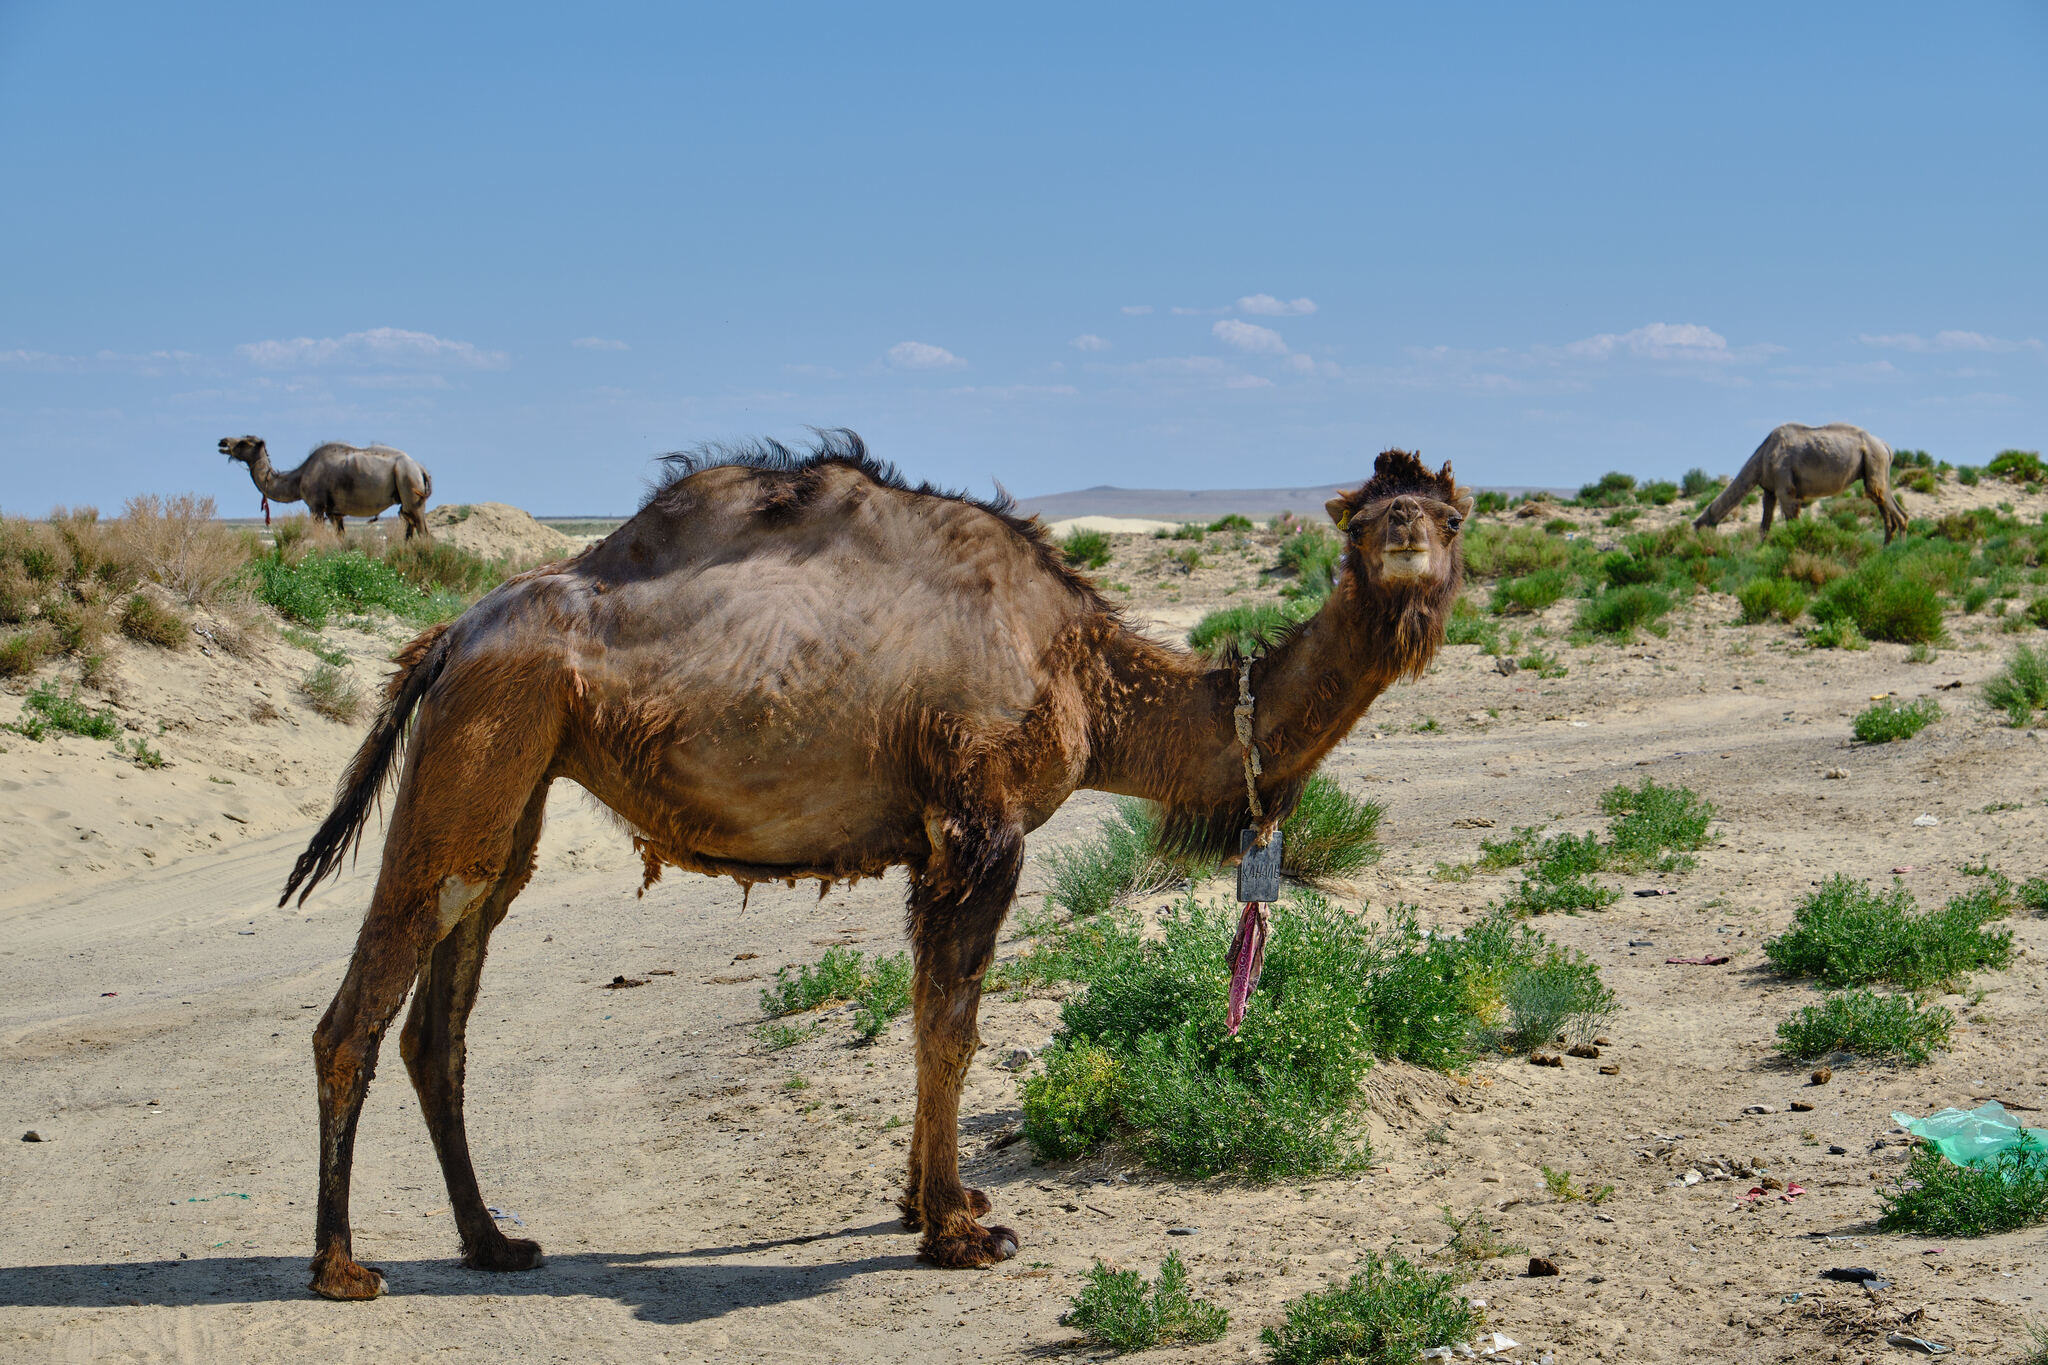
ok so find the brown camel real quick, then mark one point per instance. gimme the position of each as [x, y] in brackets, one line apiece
[340, 480]
[793, 666]
[1797, 464]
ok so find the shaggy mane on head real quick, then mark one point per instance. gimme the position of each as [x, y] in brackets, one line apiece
[1401, 471]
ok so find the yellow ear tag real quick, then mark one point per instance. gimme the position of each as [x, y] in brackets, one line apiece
[1343, 521]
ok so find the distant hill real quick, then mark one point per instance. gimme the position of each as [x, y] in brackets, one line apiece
[1191, 504]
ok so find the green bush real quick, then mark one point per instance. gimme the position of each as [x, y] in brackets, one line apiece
[45, 711]
[2018, 466]
[2037, 612]
[1654, 827]
[1938, 1198]
[1232, 522]
[1613, 490]
[1618, 612]
[1120, 860]
[1868, 1024]
[1311, 555]
[1330, 833]
[883, 993]
[1532, 592]
[1699, 483]
[1560, 996]
[1888, 721]
[1116, 1308]
[1968, 475]
[1086, 549]
[835, 976]
[1848, 934]
[1840, 633]
[1492, 500]
[1143, 1052]
[144, 620]
[431, 565]
[2021, 687]
[1658, 493]
[335, 582]
[1387, 1313]
[1764, 598]
[23, 651]
[1249, 629]
[1883, 605]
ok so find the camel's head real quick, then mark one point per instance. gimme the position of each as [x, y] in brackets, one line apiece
[1401, 527]
[243, 448]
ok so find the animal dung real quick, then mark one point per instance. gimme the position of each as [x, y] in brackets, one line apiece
[623, 983]
[1823, 1075]
[1542, 1265]
[1545, 1059]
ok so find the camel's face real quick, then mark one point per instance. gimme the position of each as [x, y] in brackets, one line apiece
[243, 448]
[1410, 540]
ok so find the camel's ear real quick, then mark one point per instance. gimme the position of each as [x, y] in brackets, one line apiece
[1463, 502]
[1339, 509]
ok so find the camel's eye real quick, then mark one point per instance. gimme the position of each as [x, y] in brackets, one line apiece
[1456, 522]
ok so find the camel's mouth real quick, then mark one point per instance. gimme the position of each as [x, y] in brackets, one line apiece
[1406, 563]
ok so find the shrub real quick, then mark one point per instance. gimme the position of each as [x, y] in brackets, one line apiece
[1840, 633]
[883, 993]
[1468, 627]
[177, 543]
[1086, 549]
[835, 976]
[1617, 612]
[1071, 1107]
[1920, 481]
[1231, 522]
[1612, 490]
[1699, 483]
[1329, 834]
[329, 582]
[331, 692]
[1655, 826]
[1884, 605]
[2018, 466]
[1968, 475]
[1764, 598]
[1120, 860]
[2037, 612]
[1312, 556]
[2021, 687]
[1847, 934]
[153, 624]
[1531, 593]
[1387, 1313]
[435, 564]
[1492, 500]
[1188, 530]
[23, 651]
[1868, 1024]
[1658, 493]
[1116, 1308]
[1938, 1198]
[1249, 629]
[1559, 996]
[1887, 720]
[44, 711]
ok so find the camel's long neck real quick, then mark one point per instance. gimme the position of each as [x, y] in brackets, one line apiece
[1168, 732]
[279, 487]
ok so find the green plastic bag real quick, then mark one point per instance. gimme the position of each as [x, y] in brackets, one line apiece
[1975, 1137]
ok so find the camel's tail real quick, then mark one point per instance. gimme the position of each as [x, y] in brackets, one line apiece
[419, 664]
[1737, 489]
[426, 485]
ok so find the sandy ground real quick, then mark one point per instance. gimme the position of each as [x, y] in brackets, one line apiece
[155, 1010]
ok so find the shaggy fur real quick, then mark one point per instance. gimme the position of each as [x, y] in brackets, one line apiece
[339, 481]
[795, 666]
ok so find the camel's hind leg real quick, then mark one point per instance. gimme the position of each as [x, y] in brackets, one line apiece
[464, 801]
[1878, 490]
[436, 1054]
[1770, 510]
[957, 904]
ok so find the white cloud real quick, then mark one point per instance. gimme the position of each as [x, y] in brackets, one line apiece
[147, 363]
[1265, 305]
[919, 355]
[1137, 310]
[1657, 340]
[1247, 381]
[1300, 362]
[1181, 312]
[392, 347]
[599, 344]
[1948, 341]
[1249, 337]
[1088, 341]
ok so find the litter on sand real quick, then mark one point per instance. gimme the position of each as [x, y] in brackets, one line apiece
[1925, 821]
[1974, 1137]
[1902, 871]
[1711, 960]
[504, 1215]
[1857, 1275]
[1657, 891]
[1786, 1195]
[1493, 1343]
[1920, 1344]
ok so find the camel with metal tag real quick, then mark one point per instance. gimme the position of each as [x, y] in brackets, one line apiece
[1258, 884]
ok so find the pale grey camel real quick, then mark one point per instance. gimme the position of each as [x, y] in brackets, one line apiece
[339, 480]
[1797, 464]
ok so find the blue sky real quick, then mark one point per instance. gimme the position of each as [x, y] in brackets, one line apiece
[1182, 245]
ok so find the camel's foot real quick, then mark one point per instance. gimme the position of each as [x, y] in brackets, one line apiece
[335, 1276]
[913, 1220]
[504, 1253]
[971, 1247]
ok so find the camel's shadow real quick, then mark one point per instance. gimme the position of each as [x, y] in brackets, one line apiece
[659, 1286]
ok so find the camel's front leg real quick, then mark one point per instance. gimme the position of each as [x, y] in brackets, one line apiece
[953, 928]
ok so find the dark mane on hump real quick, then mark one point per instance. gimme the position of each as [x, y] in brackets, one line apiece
[791, 478]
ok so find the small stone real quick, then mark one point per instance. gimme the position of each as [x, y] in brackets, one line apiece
[1837, 774]
[1182, 1232]
[1472, 822]
[1504, 665]
[1017, 1058]
[1823, 1076]
[1800, 1107]
[1641, 943]
[1542, 1265]
[1925, 821]
[1611, 1069]
[1837, 1149]
[1761, 1109]
[1691, 1177]
[1602, 1042]
[31, 1136]
[1604, 1217]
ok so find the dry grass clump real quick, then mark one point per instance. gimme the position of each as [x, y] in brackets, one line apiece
[332, 693]
[177, 542]
[151, 622]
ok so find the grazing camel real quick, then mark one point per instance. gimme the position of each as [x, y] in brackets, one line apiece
[1797, 464]
[796, 666]
[340, 480]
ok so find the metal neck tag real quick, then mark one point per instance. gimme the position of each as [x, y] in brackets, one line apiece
[1258, 869]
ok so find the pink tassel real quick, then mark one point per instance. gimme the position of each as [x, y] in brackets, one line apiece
[1247, 960]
